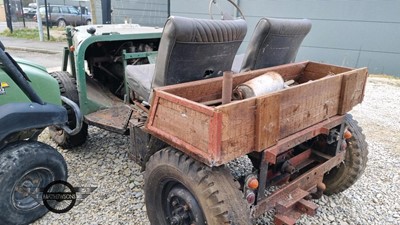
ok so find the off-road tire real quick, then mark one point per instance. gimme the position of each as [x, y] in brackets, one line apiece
[342, 177]
[68, 89]
[18, 161]
[214, 189]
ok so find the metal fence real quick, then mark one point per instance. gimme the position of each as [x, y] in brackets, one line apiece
[22, 13]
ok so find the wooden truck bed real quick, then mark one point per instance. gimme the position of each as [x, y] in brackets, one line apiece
[215, 135]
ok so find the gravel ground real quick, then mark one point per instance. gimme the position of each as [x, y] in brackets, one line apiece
[375, 199]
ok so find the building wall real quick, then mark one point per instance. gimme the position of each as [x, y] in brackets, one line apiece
[143, 12]
[353, 33]
[2, 12]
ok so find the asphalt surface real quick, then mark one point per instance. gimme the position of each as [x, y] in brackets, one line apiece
[32, 46]
[47, 54]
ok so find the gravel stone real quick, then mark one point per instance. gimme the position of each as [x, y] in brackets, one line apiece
[103, 162]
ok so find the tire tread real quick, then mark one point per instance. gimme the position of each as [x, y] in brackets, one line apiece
[219, 187]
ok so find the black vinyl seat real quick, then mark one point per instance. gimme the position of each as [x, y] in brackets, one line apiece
[190, 49]
[274, 42]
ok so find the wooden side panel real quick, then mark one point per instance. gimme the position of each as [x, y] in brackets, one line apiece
[267, 121]
[238, 120]
[307, 104]
[184, 123]
[287, 71]
[211, 89]
[198, 91]
[353, 85]
[217, 135]
[315, 71]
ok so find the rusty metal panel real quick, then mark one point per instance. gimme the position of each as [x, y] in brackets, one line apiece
[307, 182]
[114, 119]
[300, 137]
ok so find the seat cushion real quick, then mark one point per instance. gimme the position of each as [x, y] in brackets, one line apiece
[196, 49]
[275, 42]
[139, 78]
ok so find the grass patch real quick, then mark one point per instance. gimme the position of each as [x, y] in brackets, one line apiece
[33, 34]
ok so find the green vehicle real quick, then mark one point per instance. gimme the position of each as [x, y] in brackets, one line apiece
[168, 89]
[30, 101]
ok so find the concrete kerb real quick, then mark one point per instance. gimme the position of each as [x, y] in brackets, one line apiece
[33, 50]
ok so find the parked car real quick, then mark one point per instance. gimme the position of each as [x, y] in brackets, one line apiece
[62, 15]
[26, 9]
[30, 14]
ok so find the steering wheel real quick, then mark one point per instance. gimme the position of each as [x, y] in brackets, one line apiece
[224, 15]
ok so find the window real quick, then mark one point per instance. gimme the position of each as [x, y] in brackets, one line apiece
[64, 9]
[73, 10]
[55, 9]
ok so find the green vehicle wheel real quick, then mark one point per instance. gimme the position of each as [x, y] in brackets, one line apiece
[68, 89]
[26, 167]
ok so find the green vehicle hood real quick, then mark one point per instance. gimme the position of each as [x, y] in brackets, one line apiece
[27, 64]
[41, 81]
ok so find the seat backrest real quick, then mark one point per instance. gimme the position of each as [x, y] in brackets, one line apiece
[275, 42]
[195, 49]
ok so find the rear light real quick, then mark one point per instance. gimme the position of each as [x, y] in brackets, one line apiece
[252, 182]
[250, 197]
[347, 134]
[72, 48]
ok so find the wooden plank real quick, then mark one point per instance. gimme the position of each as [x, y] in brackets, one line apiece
[352, 90]
[315, 71]
[153, 110]
[183, 123]
[238, 124]
[215, 136]
[175, 142]
[308, 104]
[198, 91]
[267, 121]
[287, 71]
[211, 89]
[190, 104]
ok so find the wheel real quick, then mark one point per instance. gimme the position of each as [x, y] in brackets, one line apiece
[342, 177]
[68, 89]
[25, 168]
[182, 191]
[61, 23]
[88, 22]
